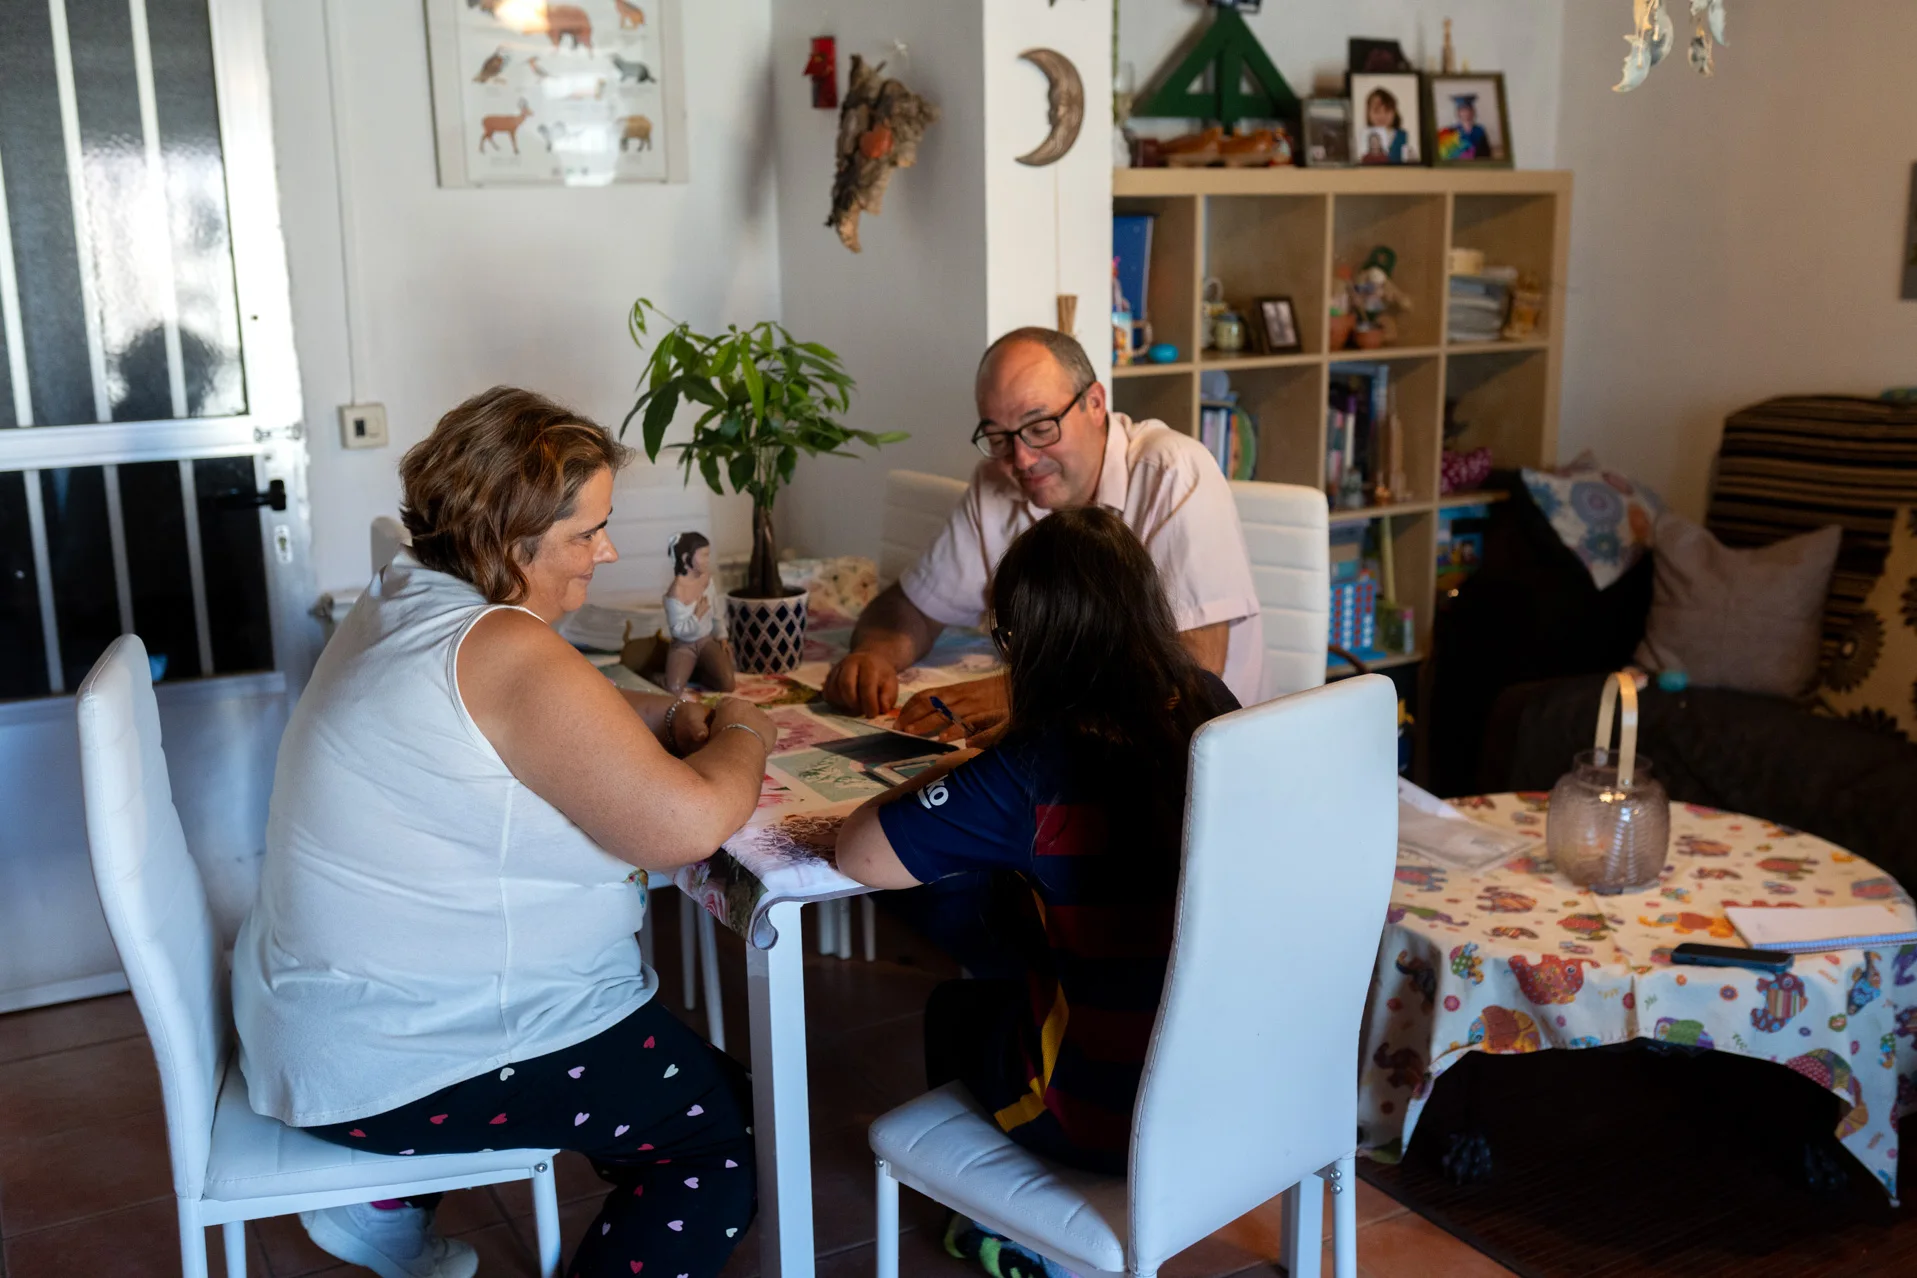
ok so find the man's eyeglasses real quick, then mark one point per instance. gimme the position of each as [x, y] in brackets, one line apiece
[1043, 433]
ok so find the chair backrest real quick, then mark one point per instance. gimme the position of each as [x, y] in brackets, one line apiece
[1251, 1083]
[153, 897]
[1287, 533]
[916, 508]
[389, 538]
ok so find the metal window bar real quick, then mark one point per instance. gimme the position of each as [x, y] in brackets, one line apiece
[43, 575]
[158, 222]
[82, 223]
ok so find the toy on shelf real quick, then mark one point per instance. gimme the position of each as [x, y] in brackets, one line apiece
[1377, 300]
[1527, 310]
[1344, 317]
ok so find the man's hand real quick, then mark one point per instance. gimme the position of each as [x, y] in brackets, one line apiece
[983, 704]
[691, 726]
[863, 682]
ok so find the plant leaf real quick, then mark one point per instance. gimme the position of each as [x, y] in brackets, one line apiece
[755, 386]
[659, 414]
[709, 467]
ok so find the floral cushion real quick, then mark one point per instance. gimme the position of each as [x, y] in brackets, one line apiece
[1872, 679]
[1607, 520]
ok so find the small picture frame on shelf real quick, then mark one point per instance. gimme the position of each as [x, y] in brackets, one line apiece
[1386, 119]
[1469, 122]
[1368, 56]
[1277, 328]
[1327, 129]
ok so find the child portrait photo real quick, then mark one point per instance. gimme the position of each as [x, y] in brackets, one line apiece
[1385, 119]
[1469, 121]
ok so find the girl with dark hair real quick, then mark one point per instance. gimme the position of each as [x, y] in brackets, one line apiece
[1385, 129]
[1078, 801]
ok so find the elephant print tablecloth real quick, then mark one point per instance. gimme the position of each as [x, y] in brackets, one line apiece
[1516, 959]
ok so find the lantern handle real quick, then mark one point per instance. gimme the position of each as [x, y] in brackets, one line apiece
[1619, 686]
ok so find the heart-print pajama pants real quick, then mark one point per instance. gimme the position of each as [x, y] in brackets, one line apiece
[662, 1114]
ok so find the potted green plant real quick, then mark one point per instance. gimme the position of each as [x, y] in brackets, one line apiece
[766, 398]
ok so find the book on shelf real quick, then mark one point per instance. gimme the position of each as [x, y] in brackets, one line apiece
[1359, 408]
[1132, 248]
[1230, 435]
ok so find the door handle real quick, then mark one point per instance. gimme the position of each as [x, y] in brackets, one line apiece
[240, 499]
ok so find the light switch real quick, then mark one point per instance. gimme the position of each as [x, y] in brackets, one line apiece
[362, 425]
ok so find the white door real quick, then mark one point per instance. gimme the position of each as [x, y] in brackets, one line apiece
[152, 473]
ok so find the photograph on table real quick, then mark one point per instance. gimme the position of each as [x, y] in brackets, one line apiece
[1470, 124]
[1327, 133]
[1277, 329]
[1385, 119]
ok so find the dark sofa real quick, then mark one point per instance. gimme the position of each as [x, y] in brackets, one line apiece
[1520, 652]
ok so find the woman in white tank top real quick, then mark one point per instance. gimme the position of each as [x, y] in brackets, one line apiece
[443, 954]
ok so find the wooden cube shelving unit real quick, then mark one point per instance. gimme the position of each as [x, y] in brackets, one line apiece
[1284, 233]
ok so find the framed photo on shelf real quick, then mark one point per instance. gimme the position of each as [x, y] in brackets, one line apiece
[1385, 119]
[1327, 133]
[1469, 122]
[1277, 329]
[583, 94]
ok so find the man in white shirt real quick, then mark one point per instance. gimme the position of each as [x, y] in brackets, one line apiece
[1050, 444]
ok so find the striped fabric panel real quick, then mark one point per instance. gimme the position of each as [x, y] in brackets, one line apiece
[1795, 464]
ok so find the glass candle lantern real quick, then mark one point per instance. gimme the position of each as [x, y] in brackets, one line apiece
[1609, 825]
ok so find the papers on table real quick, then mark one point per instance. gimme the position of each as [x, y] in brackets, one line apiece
[1816, 930]
[1432, 829]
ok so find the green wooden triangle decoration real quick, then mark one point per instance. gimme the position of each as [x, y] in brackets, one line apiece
[1228, 50]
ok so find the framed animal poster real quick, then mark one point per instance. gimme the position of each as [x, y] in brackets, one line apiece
[534, 93]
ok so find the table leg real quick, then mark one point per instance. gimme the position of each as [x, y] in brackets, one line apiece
[781, 1117]
[1305, 1227]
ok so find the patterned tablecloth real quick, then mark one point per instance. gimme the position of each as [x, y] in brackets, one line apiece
[825, 765]
[1516, 959]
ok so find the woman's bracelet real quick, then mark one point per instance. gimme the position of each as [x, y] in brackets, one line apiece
[665, 726]
[746, 727]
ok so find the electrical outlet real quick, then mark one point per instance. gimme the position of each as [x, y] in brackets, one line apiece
[362, 425]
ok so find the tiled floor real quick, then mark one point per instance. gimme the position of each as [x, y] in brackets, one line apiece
[85, 1187]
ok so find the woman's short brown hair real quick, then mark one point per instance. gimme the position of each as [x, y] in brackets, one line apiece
[494, 475]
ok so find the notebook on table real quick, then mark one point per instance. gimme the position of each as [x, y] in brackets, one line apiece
[1814, 931]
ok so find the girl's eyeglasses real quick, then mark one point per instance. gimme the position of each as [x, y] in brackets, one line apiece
[1002, 637]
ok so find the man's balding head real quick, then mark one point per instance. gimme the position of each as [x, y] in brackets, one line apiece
[1032, 374]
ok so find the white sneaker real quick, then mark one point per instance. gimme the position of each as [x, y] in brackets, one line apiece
[393, 1244]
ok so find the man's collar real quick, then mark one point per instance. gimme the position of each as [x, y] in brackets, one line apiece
[1115, 476]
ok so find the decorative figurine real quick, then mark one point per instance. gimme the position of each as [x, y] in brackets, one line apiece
[1378, 300]
[694, 619]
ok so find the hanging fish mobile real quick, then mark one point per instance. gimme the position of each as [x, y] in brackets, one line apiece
[1655, 36]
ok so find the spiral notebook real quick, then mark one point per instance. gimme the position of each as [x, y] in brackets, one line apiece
[1814, 931]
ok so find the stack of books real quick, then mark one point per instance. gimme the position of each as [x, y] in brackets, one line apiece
[1360, 405]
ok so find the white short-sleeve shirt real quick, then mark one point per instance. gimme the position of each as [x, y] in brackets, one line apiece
[1168, 489]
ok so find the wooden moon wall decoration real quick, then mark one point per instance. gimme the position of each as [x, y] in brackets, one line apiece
[1068, 105]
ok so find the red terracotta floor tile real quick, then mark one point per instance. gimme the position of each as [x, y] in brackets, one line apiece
[68, 1025]
[89, 1171]
[134, 1243]
[81, 1087]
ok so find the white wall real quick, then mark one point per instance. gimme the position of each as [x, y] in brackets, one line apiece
[453, 291]
[1308, 40]
[1737, 237]
[907, 314]
[971, 243]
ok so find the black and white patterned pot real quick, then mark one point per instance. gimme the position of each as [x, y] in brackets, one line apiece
[768, 635]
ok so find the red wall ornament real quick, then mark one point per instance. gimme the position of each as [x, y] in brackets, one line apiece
[823, 67]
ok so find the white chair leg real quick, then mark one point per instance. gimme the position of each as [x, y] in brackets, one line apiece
[842, 929]
[1344, 1217]
[233, 1233]
[546, 1219]
[869, 914]
[1304, 1228]
[192, 1240]
[709, 960]
[886, 1242]
[688, 939]
[828, 921]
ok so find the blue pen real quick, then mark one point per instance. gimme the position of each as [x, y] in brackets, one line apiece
[951, 718]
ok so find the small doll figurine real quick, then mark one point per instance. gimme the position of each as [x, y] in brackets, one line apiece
[694, 619]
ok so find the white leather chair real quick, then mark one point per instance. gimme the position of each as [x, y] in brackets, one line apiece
[389, 536]
[1288, 534]
[1250, 1085]
[230, 1165]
